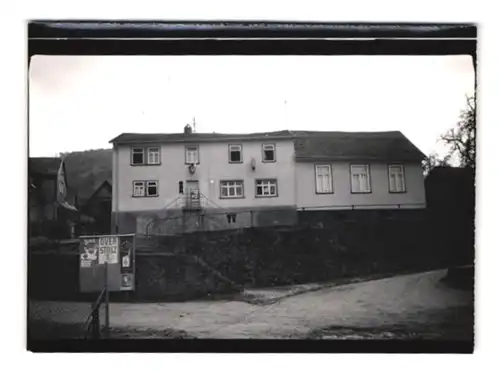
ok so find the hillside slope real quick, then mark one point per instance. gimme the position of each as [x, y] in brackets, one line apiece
[86, 170]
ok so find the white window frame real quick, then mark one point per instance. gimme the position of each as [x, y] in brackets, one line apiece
[266, 184]
[154, 155]
[135, 188]
[354, 174]
[239, 148]
[231, 186]
[192, 154]
[138, 150]
[324, 180]
[398, 171]
[268, 146]
[144, 192]
[150, 155]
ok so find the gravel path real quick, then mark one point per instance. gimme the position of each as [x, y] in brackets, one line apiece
[414, 301]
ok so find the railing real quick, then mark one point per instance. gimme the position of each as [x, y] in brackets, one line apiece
[417, 205]
[183, 201]
[192, 200]
[92, 326]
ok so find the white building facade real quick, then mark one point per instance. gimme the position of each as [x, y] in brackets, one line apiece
[175, 183]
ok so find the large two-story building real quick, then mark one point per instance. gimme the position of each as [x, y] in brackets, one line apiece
[174, 183]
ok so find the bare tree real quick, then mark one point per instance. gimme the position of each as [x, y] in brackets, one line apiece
[462, 139]
[433, 160]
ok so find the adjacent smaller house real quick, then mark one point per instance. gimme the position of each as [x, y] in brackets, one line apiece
[358, 170]
[450, 195]
[98, 208]
[45, 211]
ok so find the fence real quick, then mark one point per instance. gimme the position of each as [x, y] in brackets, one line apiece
[92, 326]
[210, 220]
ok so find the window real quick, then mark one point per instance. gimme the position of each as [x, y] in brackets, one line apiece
[231, 217]
[139, 189]
[269, 152]
[231, 189]
[181, 187]
[153, 156]
[138, 156]
[266, 188]
[360, 179]
[141, 157]
[192, 154]
[396, 179]
[152, 188]
[324, 179]
[235, 155]
[145, 189]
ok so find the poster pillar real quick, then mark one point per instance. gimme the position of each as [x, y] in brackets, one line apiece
[107, 263]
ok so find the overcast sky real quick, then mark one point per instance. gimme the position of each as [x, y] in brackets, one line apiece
[81, 102]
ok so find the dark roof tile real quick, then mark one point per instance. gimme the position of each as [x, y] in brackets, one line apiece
[309, 145]
[128, 138]
[369, 146]
[44, 165]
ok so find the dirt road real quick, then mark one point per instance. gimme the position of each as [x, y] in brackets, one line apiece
[418, 301]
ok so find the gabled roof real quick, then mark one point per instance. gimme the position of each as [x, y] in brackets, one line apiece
[44, 165]
[134, 138]
[363, 146]
[309, 145]
[104, 184]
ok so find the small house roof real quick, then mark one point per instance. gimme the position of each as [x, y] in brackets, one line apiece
[44, 165]
[390, 146]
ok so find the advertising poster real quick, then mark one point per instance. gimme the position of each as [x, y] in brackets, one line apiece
[118, 252]
[88, 252]
[127, 262]
[108, 249]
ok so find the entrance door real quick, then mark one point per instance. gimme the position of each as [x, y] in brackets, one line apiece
[193, 193]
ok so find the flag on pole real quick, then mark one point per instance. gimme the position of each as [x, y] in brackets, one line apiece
[62, 190]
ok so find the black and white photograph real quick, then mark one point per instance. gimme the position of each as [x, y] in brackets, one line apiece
[313, 192]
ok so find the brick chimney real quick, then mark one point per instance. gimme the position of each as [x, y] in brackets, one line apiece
[188, 130]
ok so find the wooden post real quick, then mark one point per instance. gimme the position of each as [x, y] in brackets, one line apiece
[106, 301]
